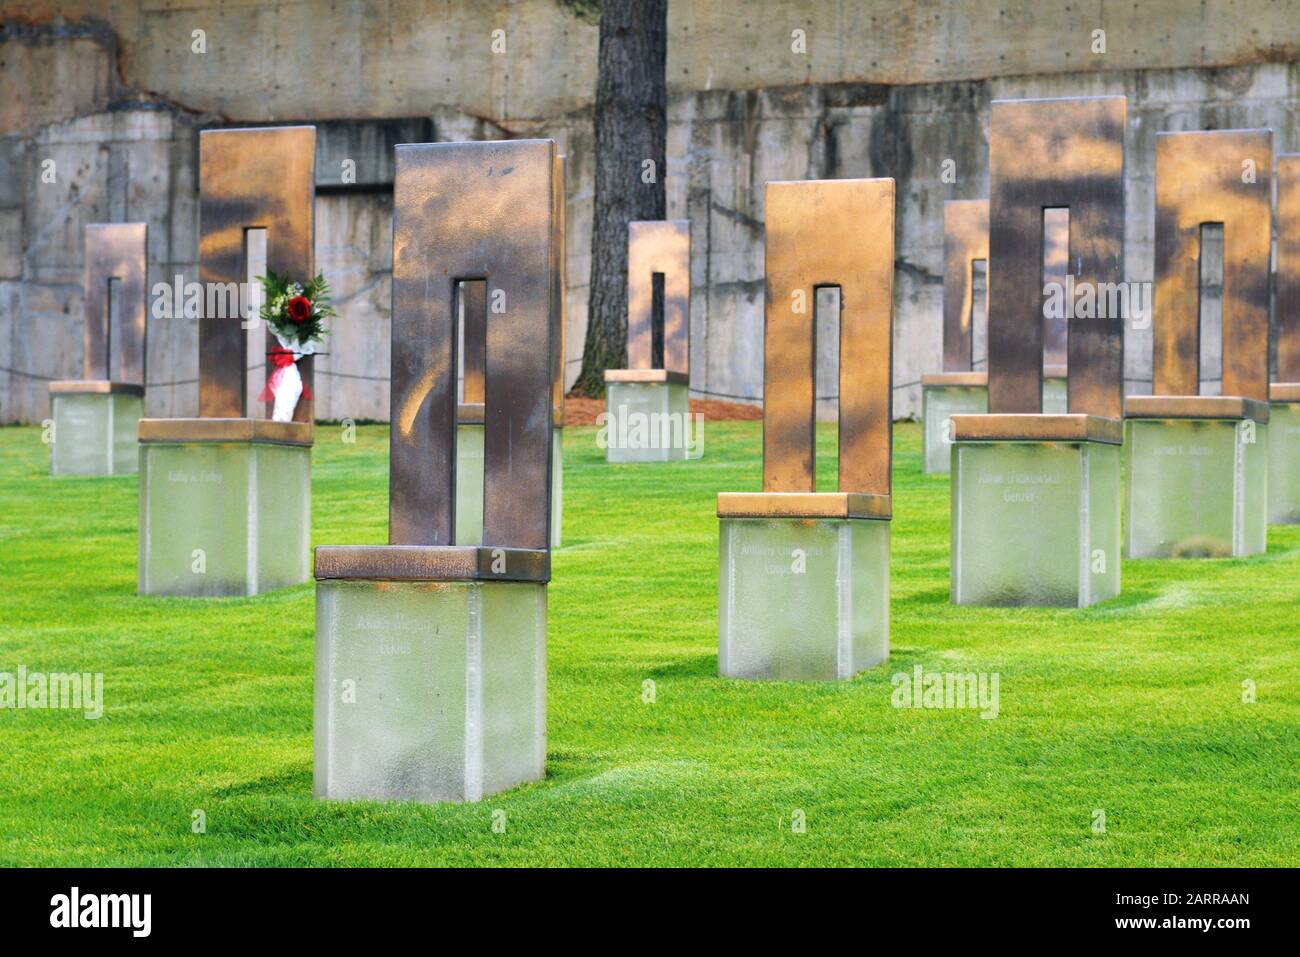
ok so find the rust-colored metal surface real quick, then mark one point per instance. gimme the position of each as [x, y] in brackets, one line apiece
[432, 563]
[1036, 427]
[225, 430]
[1195, 407]
[1284, 392]
[659, 246]
[829, 233]
[803, 505]
[1287, 293]
[1063, 152]
[94, 387]
[965, 240]
[472, 211]
[646, 375]
[559, 223]
[940, 379]
[1206, 177]
[473, 295]
[261, 178]
[116, 251]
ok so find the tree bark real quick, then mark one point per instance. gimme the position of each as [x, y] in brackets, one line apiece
[631, 120]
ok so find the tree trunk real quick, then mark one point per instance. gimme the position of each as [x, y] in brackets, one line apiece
[631, 120]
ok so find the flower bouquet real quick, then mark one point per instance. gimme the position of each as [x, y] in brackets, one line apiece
[295, 314]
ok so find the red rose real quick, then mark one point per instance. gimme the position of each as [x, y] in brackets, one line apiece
[299, 309]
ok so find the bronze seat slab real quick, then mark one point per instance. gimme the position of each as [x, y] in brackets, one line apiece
[1055, 372]
[804, 505]
[94, 387]
[1037, 427]
[226, 430]
[1194, 407]
[432, 563]
[647, 375]
[1284, 392]
[941, 379]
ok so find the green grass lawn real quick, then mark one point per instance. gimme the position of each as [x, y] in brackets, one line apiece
[1133, 707]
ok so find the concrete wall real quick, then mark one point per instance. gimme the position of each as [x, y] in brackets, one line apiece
[115, 95]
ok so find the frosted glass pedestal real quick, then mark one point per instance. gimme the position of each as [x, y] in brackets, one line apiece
[938, 403]
[1056, 398]
[95, 431]
[469, 484]
[223, 518]
[428, 691]
[647, 422]
[802, 599]
[1196, 488]
[1035, 523]
[1284, 463]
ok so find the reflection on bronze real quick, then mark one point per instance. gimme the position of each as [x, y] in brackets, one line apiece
[948, 379]
[827, 233]
[1195, 407]
[95, 387]
[432, 563]
[811, 505]
[473, 296]
[1066, 152]
[965, 240]
[1284, 392]
[659, 246]
[226, 430]
[1036, 427]
[1287, 294]
[1222, 176]
[260, 178]
[470, 413]
[472, 211]
[115, 251]
[647, 375]
[559, 242]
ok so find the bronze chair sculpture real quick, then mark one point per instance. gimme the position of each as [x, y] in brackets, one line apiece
[95, 417]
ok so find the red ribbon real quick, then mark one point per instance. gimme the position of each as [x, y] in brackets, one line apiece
[281, 358]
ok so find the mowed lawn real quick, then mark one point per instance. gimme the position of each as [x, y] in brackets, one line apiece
[1133, 708]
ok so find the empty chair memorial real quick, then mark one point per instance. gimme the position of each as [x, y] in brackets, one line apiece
[225, 498]
[431, 654]
[803, 574]
[1284, 393]
[960, 387]
[1197, 475]
[648, 406]
[1036, 496]
[95, 417]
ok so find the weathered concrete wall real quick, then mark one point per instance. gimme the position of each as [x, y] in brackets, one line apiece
[114, 94]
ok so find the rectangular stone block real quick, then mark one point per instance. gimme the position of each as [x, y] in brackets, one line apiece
[802, 599]
[1195, 488]
[95, 433]
[1035, 523]
[938, 403]
[1284, 463]
[469, 484]
[223, 518]
[648, 422]
[428, 691]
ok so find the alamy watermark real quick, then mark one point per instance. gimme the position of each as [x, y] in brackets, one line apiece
[55, 690]
[947, 689]
[644, 431]
[1073, 299]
